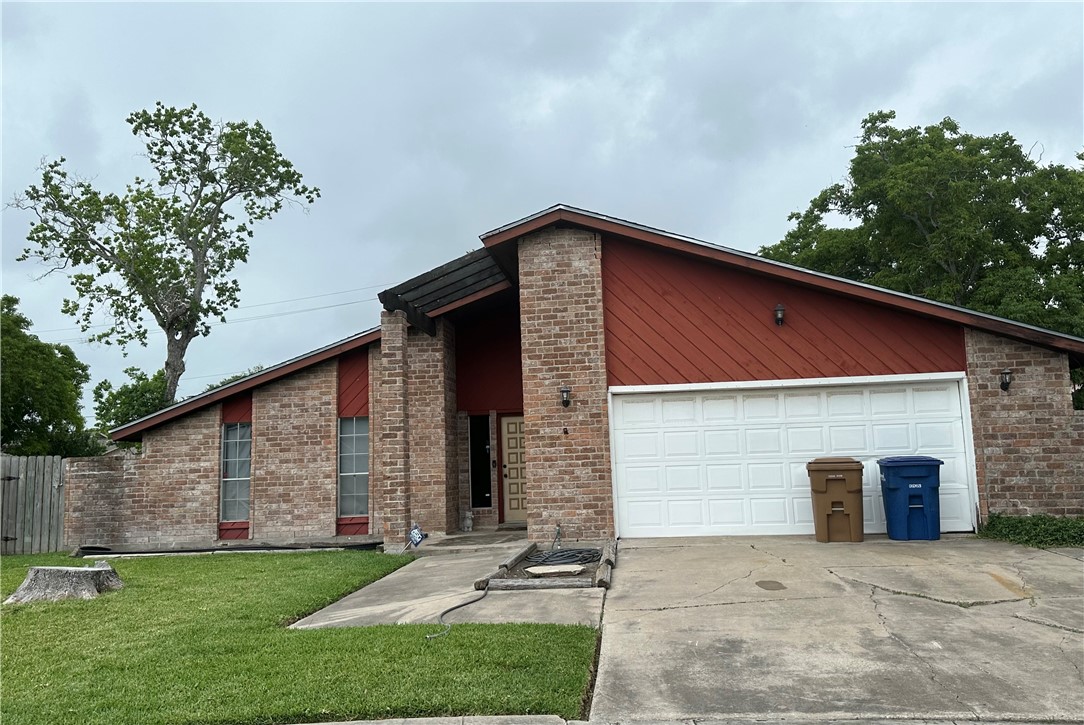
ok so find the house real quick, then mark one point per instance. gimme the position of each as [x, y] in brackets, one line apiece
[613, 379]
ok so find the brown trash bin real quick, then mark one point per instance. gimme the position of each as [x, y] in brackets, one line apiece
[836, 486]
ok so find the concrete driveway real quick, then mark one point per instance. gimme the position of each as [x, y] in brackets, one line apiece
[787, 628]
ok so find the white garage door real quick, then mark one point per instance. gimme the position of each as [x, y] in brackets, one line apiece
[733, 461]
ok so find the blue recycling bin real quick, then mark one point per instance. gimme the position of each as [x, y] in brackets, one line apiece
[910, 487]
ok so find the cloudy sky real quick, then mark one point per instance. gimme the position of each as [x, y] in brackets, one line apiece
[427, 125]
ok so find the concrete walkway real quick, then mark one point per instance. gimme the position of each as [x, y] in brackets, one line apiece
[443, 577]
[784, 628]
[554, 720]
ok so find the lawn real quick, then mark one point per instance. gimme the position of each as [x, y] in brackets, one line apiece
[201, 639]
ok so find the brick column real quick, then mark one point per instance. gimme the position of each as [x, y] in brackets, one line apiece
[1027, 438]
[563, 343]
[432, 436]
[393, 454]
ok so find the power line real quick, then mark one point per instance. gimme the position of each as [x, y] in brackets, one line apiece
[242, 307]
[158, 331]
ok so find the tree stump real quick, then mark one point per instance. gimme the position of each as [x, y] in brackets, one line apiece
[53, 583]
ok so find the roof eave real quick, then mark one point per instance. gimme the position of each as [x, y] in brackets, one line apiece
[133, 432]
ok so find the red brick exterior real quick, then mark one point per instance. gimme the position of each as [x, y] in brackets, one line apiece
[434, 468]
[166, 497]
[294, 489]
[1029, 442]
[389, 409]
[568, 449]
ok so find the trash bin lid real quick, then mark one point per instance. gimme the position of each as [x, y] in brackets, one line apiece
[833, 464]
[909, 461]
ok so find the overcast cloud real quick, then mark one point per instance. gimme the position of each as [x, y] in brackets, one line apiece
[427, 125]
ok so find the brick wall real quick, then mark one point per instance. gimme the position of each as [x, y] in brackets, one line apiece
[1028, 439]
[166, 497]
[294, 490]
[568, 449]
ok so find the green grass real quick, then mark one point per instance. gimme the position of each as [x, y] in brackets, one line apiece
[1040, 530]
[201, 639]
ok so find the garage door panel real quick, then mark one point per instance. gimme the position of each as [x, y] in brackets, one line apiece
[939, 436]
[770, 511]
[681, 443]
[643, 479]
[631, 446]
[845, 440]
[888, 402]
[766, 477]
[725, 442]
[806, 440]
[727, 513]
[724, 477]
[684, 512]
[680, 410]
[643, 514]
[683, 479]
[846, 404]
[638, 412]
[942, 400]
[892, 438]
[761, 407]
[763, 440]
[734, 462]
[720, 409]
[803, 512]
[802, 405]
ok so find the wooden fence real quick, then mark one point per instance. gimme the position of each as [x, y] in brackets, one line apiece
[32, 505]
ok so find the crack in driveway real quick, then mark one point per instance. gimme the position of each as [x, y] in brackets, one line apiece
[883, 620]
[929, 597]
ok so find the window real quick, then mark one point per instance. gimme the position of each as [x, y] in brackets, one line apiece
[236, 471]
[353, 467]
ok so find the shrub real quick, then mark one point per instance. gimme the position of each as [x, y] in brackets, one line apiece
[1039, 530]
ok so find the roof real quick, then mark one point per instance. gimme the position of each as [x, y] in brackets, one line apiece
[494, 268]
[134, 431]
[445, 288]
[565, 215]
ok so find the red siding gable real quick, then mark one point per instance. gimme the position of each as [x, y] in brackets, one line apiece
[238, 408]
[354, 384]
[673, 319]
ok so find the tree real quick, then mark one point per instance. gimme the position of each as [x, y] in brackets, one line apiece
[232, 378]
[40, 388]
[165, 248]
[968, 220]
[114, 407]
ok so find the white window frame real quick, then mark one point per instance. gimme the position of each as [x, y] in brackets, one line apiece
[356, 461]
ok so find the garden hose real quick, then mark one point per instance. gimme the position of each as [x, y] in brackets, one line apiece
[447, 625]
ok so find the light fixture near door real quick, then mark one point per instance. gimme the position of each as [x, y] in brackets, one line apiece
[566, 396]
[780, 313]
[1006, 378]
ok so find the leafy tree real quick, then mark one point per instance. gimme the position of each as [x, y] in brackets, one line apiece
[167, 247]
[227, 380]
[114, 407]
[40, 387]
[969, 220]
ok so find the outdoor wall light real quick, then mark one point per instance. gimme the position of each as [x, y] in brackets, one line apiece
[1006, 378]
[566, 396]
[780, 310]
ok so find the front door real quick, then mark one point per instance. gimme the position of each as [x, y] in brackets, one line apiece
[514, 468]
